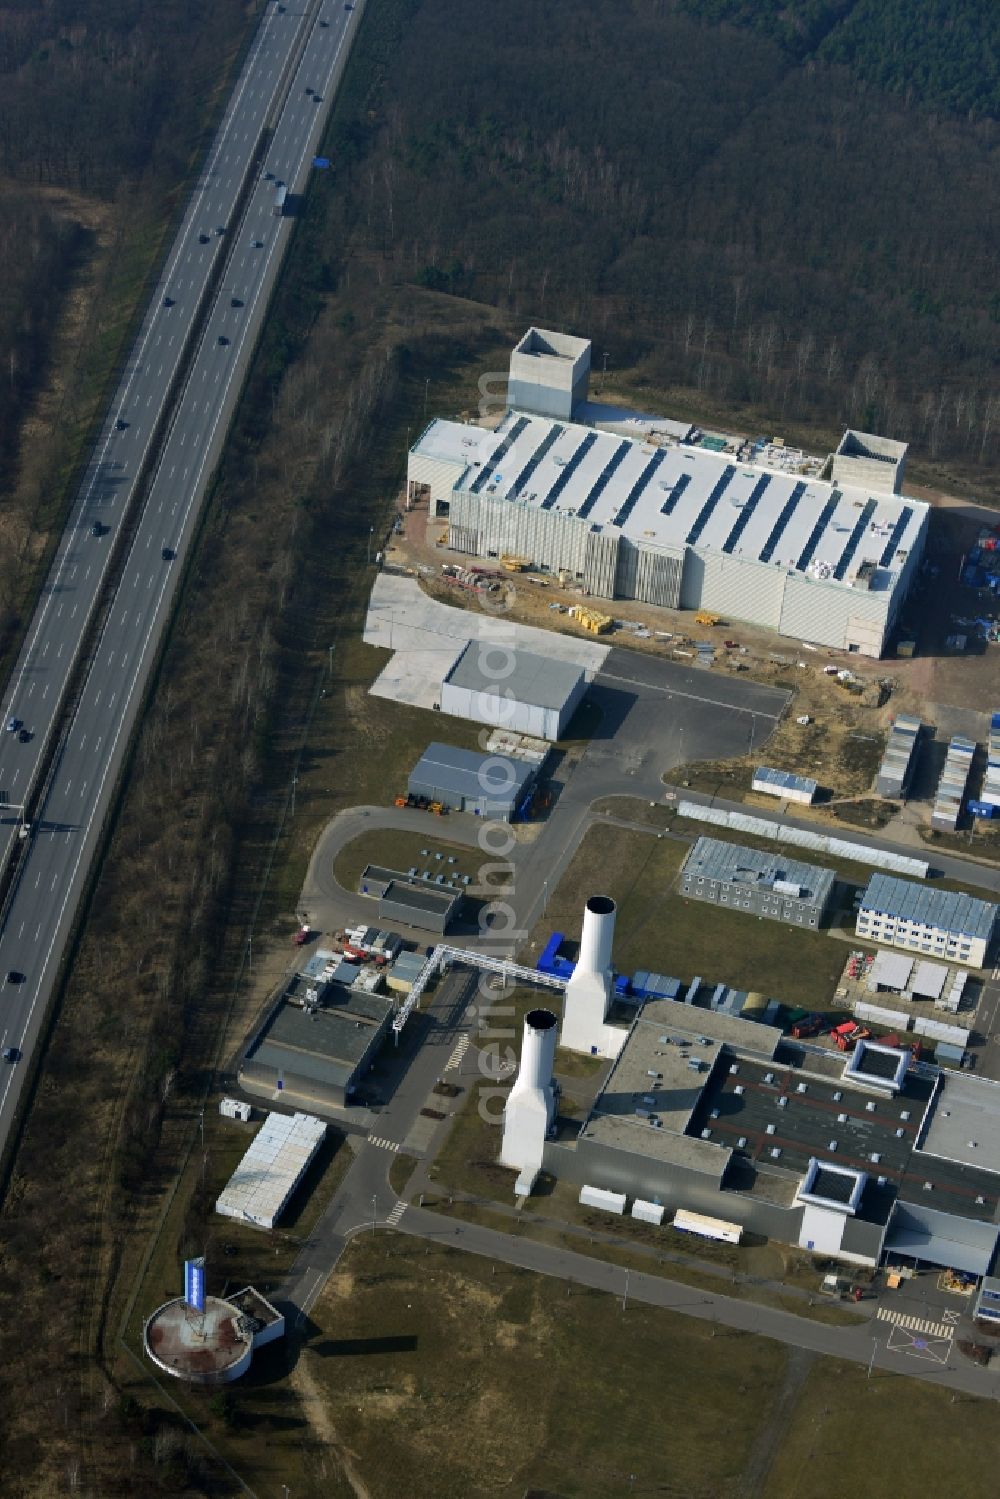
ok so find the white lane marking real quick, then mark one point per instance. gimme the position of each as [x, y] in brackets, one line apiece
[107, 763]
[691, 696]
[910, 1323]
[121, 395]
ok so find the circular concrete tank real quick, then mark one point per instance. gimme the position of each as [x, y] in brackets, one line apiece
[213, 1347]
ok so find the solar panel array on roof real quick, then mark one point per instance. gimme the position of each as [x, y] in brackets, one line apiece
[949, 910]
[861, 526]
[823, 520]
[491, 465]
[632, 498]
[718, 489]
[520, 484]
[785, 515]
[676, 495]
[568, 470]
[620, 453]
[746, 513]
[784, 780]
[896, 535]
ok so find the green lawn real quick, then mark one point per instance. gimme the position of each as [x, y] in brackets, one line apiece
[397, 849]
[658, 930]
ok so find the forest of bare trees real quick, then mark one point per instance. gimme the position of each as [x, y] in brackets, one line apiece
[715, 189]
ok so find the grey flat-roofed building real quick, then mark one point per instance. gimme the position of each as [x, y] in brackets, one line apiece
[938, 923]
[674, 525]
[315, 1056]
[695, 1115]
[513, 690]
[411, 899]
[464, 781]
[965, 1122]
[750, 879]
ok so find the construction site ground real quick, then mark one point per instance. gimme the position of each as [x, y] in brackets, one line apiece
[842, 743]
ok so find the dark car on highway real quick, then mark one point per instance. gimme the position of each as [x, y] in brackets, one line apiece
[167, 554]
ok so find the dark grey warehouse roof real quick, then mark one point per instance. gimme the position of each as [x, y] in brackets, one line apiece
[951, 910]
[518, 675]
[715, 859]
[327, 1044]
[465, 773]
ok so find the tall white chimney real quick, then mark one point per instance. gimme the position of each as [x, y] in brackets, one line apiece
[530, 1110]
[597, 935]
[588, 992]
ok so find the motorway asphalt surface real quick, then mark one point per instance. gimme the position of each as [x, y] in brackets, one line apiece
[55, 862]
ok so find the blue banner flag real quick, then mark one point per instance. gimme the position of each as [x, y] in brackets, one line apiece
[194, 1284]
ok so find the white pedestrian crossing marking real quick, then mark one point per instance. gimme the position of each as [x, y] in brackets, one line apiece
[383, 1144]
[458, 1052]
[909, 1323]
[396, 1214]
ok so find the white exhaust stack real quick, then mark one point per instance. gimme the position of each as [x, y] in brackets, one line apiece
[530, 1110]
[588, 992]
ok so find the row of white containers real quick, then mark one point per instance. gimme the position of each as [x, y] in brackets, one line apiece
[991, 783]
[934, 1030]
[953, 784]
